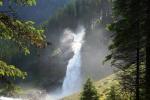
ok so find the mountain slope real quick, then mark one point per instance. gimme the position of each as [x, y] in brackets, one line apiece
[102, 87]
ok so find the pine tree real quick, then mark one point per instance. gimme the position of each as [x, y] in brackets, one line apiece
[112, 95]
[89, 92]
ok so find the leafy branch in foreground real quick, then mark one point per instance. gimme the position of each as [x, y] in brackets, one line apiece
[23, 34]
[20, 32]
[18, 35]
[21, 2]
[11, 71]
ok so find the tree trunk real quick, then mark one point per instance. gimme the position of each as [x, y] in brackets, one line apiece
[147, 76]
[147, 32]
[137, 74]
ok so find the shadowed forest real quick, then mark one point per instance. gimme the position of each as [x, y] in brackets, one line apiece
[74, 50]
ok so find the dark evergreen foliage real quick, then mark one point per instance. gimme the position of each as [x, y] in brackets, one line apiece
[130, 39]
[113, 95]
[89, 92]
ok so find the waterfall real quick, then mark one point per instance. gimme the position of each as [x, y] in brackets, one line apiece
[72, 81]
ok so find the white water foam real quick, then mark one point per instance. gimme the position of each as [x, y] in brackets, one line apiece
[72, 81]
[7, 98]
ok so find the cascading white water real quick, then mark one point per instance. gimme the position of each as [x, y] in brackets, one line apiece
[7, 98]
[72, 81]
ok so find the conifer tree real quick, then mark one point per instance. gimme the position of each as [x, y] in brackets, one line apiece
[131, 42]
[126, 49]
[112, 95]
[89, 92]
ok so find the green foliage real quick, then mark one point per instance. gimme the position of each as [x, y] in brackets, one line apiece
[113, 95]
[1, 2]
[20, 2]
[89, 92]
[128, 42]
[15, 36]
[11, 71]
[20, 32]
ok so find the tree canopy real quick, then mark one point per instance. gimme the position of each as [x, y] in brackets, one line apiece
[89, 92]
[129, 43]
[20, 2]
[22, 35]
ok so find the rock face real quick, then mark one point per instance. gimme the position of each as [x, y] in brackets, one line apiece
[93, 54]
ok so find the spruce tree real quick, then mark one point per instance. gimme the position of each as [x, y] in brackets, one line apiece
[113, 95]
[89, 92]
